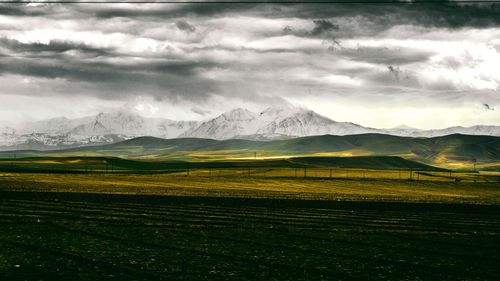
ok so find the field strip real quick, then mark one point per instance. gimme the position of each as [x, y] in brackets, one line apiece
[303, 213]
[220, 220]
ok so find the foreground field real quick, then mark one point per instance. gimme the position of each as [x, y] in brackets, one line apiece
[71, 236]
[110, 226]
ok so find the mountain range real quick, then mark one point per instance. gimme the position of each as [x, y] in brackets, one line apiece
[275, 123]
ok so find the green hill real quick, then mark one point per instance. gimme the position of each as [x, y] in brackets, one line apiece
[464, 147]
[454, 151]
[83, 164]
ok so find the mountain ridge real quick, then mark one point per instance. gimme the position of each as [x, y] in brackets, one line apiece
[273, 123]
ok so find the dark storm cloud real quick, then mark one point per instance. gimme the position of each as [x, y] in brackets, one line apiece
[394, 70]
[322, 27]
[104, 77]
[108, 82]
[52, 48]
[185, 26]
[287, 29]
[21, 10]
[99, 71]
[384, 55]
[166, 11]
[58, 69]
[54, 63]
[374, 17]
[437, 14]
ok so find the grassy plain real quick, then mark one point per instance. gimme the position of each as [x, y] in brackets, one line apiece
[240, 185]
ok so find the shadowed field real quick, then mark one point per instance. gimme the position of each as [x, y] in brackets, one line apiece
[68, 236]
[169, 226]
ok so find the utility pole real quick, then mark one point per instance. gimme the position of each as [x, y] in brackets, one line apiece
[255, 155]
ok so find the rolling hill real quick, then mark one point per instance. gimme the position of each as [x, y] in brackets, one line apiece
[447, 151]
[83, 164]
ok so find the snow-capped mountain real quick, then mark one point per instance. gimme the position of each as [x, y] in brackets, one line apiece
[303, 122]
[100, 129]
[8, 135]
[111, 123]
[406, 131]
[238, 122]
[53, 126]
[272, 123]
[474, 130]
[287, 122]
[279, 122]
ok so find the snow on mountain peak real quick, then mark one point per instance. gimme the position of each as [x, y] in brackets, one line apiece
[6, 130]
[282, 110]
[403, 127]
[277, 122]
[239, 114]
[104, 127]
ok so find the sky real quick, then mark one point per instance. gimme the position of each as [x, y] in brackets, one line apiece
[426, 65]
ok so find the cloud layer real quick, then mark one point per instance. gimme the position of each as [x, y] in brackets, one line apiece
[424, 64]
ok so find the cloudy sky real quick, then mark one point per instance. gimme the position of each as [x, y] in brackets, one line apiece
[379, 65]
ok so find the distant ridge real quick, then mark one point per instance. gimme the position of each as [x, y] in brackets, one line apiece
[456, 148]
